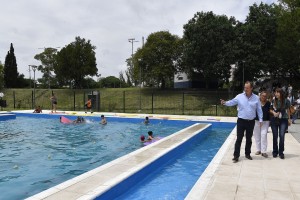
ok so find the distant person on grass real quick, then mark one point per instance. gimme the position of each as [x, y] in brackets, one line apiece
[53, 102]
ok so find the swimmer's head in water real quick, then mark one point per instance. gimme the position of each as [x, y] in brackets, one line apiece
[150, 133]
[142, 138]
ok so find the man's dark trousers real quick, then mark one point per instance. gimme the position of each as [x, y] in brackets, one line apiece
[242, 126]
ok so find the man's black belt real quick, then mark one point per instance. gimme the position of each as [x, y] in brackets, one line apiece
[248, 120]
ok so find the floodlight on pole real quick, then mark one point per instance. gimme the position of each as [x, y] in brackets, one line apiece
[132, 40]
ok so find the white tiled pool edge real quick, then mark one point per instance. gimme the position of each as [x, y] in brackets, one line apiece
[199, 190]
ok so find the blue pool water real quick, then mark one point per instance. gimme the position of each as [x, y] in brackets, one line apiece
[38, 153]
[175, 178]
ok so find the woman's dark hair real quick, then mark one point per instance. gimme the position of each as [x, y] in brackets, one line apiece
[282, 98]
[150, 133]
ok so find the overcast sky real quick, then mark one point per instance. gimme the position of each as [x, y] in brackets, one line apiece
[33, 24]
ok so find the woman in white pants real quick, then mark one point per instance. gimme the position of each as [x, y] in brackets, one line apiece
[260, 132]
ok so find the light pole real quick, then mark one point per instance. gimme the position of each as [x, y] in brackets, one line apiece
[34, 67]
[140, 82]
[140, 60]
[132, 40]
[29, 75]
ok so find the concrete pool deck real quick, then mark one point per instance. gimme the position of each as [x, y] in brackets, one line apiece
[260, 178]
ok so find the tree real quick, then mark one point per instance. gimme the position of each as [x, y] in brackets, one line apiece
[122, 79]
[131, 78]
[1, 75]
[10, 69]
[256, 40]
[48, 60]
[128, 75]
[22, 82]
[76, 61]
[156, 63]
[208, 46]
[288, 40]
[110, 82]
[89, 83]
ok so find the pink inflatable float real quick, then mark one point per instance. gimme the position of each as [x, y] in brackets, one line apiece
[65, 120]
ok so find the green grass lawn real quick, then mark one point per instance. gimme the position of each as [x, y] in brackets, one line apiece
[129, 100]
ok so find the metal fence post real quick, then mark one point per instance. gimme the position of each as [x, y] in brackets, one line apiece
[152, 104]
[74, 96]
[99, 97]
[14, 96]
[32, 99]
[217, 101]
[51, 100]
[183, 103]
[83, 100]
[123, 101]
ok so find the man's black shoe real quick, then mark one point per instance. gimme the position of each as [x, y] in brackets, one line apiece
[249, 157]
[235, 159]
[282, 156]
[274, 155]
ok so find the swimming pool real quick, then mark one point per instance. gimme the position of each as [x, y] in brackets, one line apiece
[38, 153]
[175, 178]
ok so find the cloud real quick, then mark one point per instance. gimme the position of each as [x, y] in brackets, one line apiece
[33, 24]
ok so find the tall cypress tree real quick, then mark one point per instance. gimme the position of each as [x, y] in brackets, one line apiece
[10, 69]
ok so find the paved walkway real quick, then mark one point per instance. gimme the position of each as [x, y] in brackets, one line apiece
[260, 178]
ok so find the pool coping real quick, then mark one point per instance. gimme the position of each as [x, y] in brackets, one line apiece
[200, 189]
[5, 116]
[70, 188]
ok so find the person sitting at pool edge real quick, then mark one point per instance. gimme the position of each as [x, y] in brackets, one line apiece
[146, 120]
[103, 120]
[38, 110]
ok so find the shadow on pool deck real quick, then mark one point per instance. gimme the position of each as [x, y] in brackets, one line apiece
[260, 178]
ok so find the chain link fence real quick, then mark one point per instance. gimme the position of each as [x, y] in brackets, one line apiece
[151, 101]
